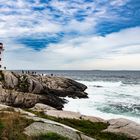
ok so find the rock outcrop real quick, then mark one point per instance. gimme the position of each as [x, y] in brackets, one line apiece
[47, 110]
[124, 126]
[9, 79]
[39, 107]
[71, 115]
[38, 128]
[27, 100]
[41, 126]
[118, 126]
[25, 90]
[46, 94]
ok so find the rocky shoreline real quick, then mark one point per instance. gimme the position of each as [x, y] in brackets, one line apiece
[25, 90]
[119, 126]
[41, 114]
[46, 94]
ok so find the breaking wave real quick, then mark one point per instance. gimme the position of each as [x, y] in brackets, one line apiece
[108, 99]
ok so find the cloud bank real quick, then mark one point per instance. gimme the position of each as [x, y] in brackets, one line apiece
[74, 34]
[119, 50]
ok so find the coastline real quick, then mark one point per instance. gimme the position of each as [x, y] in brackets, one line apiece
[118, 126]
[46, 96]
[45, 118]
[109, 100]
[73, 106]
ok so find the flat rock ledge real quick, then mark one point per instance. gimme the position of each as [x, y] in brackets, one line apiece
[72, 115]
[47, 110]
[124, 126]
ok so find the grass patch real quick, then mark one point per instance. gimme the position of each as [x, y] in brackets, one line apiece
[23, 84]
[112, 136]
[12, 126]
[51, 136]
[1, 128]
[92, 129]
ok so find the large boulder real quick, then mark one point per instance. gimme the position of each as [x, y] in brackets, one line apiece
[124, 126]
[62, 83]
[28, 100]
[38, 128]
[9, 79]
[35, 86]
[39, 107]
[63, 87]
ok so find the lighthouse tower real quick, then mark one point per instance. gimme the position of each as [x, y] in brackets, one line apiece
[1, 50]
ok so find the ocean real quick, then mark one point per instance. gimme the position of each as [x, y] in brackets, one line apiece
[112, 94]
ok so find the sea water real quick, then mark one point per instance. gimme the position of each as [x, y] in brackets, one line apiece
[112, 94]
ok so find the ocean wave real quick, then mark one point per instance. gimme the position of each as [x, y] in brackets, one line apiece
[109, 99]
[132, 110]
[102, 83]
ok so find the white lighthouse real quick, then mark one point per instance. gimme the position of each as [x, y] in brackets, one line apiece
[1, 50]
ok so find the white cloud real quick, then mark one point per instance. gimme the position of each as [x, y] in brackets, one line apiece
[81, 26]
[18, 17]
[115, 51]
[118, 2]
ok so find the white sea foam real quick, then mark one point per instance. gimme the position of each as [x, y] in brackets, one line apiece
[108, 100]
[101, 83]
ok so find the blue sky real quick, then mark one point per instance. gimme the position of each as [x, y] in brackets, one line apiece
[70, 34]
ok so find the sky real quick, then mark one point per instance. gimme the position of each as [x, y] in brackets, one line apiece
[70, 34]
